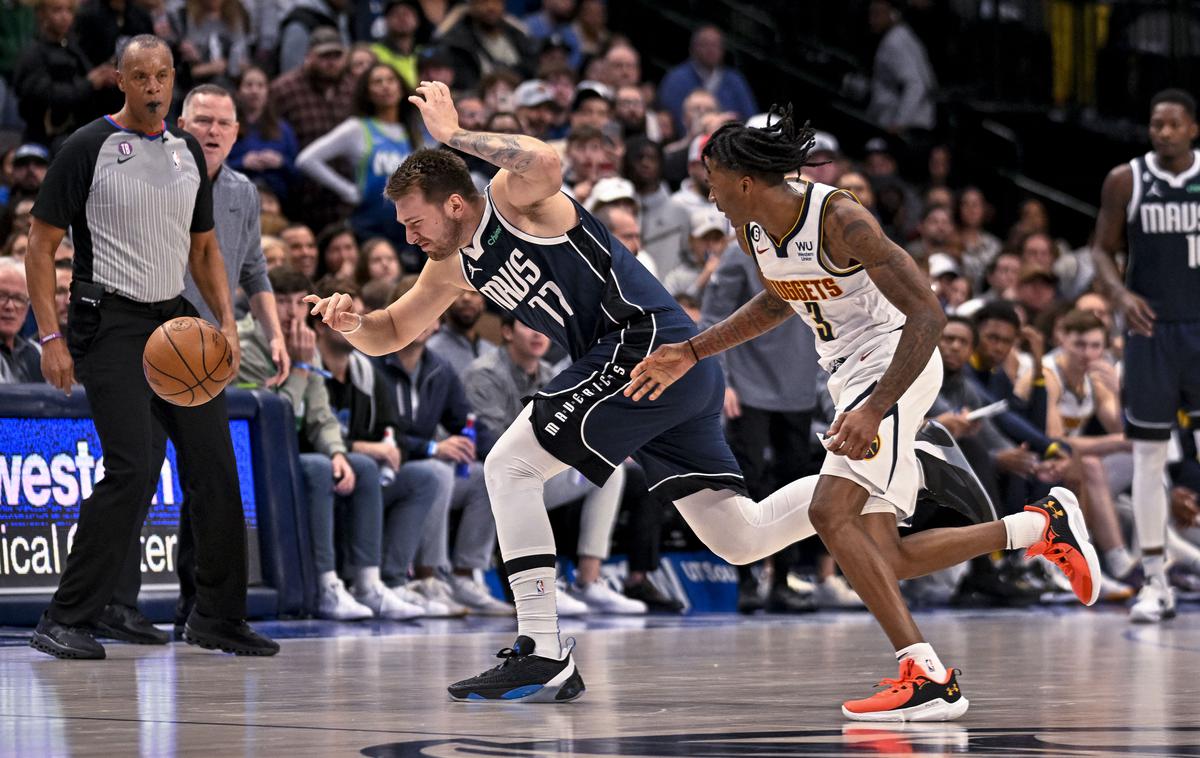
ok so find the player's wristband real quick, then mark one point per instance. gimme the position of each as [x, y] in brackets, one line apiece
[693, 347]
[355, 329]
[50, 338]
[431, 449]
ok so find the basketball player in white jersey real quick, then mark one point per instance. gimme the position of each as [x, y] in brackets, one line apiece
[822, 255]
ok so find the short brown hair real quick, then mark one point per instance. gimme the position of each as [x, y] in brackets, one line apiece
[437, 173]
[1079, 322]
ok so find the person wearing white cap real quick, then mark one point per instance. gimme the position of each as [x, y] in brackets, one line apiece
[710, 235]
[536, 107]
[824, 163]
[693, 191]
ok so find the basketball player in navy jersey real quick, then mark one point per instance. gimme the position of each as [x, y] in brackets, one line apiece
[532, 250]
[821, 254]
[1151, 205]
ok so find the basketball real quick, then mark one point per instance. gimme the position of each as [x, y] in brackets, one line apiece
[187, 361]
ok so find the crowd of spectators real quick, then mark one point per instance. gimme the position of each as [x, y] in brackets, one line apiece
[391, 448]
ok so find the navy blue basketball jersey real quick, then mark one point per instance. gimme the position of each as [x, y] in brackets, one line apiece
[1163, 232]
[574, 288]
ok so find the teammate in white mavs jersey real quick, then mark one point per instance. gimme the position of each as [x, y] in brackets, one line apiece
[877, 322]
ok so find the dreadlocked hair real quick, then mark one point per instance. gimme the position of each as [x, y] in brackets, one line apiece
[768, 153]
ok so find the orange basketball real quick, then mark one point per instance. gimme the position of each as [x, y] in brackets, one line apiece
[187, 361]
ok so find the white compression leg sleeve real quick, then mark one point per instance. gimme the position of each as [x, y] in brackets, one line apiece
[1150, 493]
[516, 471]
[742, 531]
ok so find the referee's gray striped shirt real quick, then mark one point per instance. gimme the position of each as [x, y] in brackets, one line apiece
[132, 202]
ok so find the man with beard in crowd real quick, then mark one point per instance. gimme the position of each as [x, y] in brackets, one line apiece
[458, 340]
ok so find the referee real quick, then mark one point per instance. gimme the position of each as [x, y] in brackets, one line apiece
[138, 200]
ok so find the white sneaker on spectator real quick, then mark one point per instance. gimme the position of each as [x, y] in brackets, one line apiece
[600, 598]
[433, 608]
[337, 604]
[835, 592]
[475, 596]
[1155, 603]
[566, 602]
[385, 603]
[436, 590]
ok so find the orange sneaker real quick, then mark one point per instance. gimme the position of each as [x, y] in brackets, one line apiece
[914, 696]
[1065, 543]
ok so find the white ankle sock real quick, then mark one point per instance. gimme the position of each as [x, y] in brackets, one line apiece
[1119, 561]
[1024, 529]
[1154, 565]
[537, 613]
[923, 654]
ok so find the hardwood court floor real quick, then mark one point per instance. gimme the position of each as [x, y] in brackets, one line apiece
[1041, 683]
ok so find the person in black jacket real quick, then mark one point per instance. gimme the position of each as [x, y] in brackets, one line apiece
[58, 88]
[483, 40]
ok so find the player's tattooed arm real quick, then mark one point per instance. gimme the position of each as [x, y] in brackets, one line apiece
[762, 313]
[515, 152]
[853, 234]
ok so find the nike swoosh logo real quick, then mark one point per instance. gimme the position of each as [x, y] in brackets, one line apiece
[863, 357]
[124, 158]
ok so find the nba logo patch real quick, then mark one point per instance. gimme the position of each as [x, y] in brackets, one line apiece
[125, 149]
[175, 160]
[541, 587]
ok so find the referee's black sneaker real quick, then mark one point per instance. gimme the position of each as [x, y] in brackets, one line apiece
[949, 480]
[229, 636]
[524, 678]
[120, 622]
[62, 641]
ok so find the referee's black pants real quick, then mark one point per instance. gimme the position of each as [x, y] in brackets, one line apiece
[107, 343]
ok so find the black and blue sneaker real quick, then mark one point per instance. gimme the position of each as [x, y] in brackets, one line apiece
[523, 678]
[948, 478]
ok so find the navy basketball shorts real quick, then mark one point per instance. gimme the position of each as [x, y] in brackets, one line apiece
[583, 418]
[1162, 378]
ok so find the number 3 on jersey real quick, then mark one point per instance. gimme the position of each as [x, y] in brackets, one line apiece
[824, 328]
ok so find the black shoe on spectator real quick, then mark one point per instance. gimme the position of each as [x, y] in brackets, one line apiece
[183, 609]
[988, 589]
[656, 602]
[749, 600]
[62, 641]
[120, 622]
[784, 599]
[230, 636]
[949, 480]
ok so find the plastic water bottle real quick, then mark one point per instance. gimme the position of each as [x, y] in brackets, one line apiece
[387, 474]
[463, 470]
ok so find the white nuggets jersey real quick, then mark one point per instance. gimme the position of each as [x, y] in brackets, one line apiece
[843, 306]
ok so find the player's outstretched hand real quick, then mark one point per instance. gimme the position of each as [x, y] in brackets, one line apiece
[660, 370]
[1139, 316]
[853, 433]
[437, 108]
[337, 311]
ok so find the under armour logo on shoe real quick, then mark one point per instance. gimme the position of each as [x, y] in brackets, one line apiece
[952, 689]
